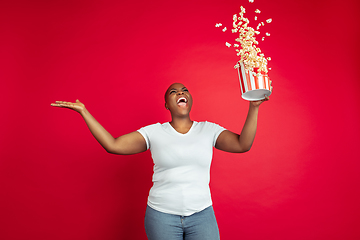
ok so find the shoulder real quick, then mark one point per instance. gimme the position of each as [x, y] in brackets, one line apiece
[155, 125]
[152, 128]
[207, 124]
[210, 128]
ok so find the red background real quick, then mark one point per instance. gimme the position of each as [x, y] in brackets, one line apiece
[299, 181]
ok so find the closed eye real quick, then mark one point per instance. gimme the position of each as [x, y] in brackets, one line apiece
[184, 89]
[173, 91]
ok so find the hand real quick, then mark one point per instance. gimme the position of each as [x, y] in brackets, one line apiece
[257, 103]
[77, 106]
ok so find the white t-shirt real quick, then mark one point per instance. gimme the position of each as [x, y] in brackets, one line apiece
[181, 166]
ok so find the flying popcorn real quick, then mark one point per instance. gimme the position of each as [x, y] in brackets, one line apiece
[218, 25]
[246, 45]
[252, 67]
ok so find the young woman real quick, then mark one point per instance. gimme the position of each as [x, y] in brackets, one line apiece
[179, 203]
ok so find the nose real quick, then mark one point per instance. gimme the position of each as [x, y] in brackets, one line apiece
[180, 92]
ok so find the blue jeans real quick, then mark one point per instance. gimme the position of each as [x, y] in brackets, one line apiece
[198, 226]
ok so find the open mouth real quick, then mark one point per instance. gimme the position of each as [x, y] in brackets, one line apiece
[181, 101]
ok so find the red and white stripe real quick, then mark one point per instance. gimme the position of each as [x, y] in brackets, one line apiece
[249, 81]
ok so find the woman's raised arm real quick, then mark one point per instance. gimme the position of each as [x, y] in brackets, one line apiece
[130, 143]
[232, 142]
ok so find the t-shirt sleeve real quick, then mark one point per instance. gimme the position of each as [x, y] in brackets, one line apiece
[146, 133]
[216, 129]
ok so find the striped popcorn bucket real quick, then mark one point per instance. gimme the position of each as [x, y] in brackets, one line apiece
[253, 87]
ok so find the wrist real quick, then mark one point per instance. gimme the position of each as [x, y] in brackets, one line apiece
[83, 112]
[253, 106]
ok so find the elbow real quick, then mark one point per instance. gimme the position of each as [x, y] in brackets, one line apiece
[248, 148]
[114, 151]
[110, 149]
[239, 149]
[245, 149]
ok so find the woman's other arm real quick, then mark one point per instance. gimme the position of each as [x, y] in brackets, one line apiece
[130, 143]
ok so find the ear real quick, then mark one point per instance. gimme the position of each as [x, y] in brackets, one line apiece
[166, 106]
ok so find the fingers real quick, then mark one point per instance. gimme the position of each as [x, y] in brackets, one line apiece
[62, 104]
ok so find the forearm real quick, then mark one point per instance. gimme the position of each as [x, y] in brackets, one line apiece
[248, 132]
[105, 139]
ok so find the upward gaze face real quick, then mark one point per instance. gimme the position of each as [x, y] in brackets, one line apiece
[178, 99]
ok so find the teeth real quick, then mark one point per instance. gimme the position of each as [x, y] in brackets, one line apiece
[181, 99]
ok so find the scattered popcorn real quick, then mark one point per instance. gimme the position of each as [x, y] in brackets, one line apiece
[269, 68]
[251, 1]
[258, 26]
[242, 9]
[218, 25]
[247, 45]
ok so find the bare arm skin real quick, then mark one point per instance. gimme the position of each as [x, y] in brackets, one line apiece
[130, 143]
[235, 143]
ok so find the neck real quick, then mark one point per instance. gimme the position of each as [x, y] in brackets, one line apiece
[184, 122]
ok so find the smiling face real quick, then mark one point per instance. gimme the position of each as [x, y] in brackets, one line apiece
[178, 100]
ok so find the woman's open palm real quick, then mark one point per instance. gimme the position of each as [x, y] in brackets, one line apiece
[77, 106]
